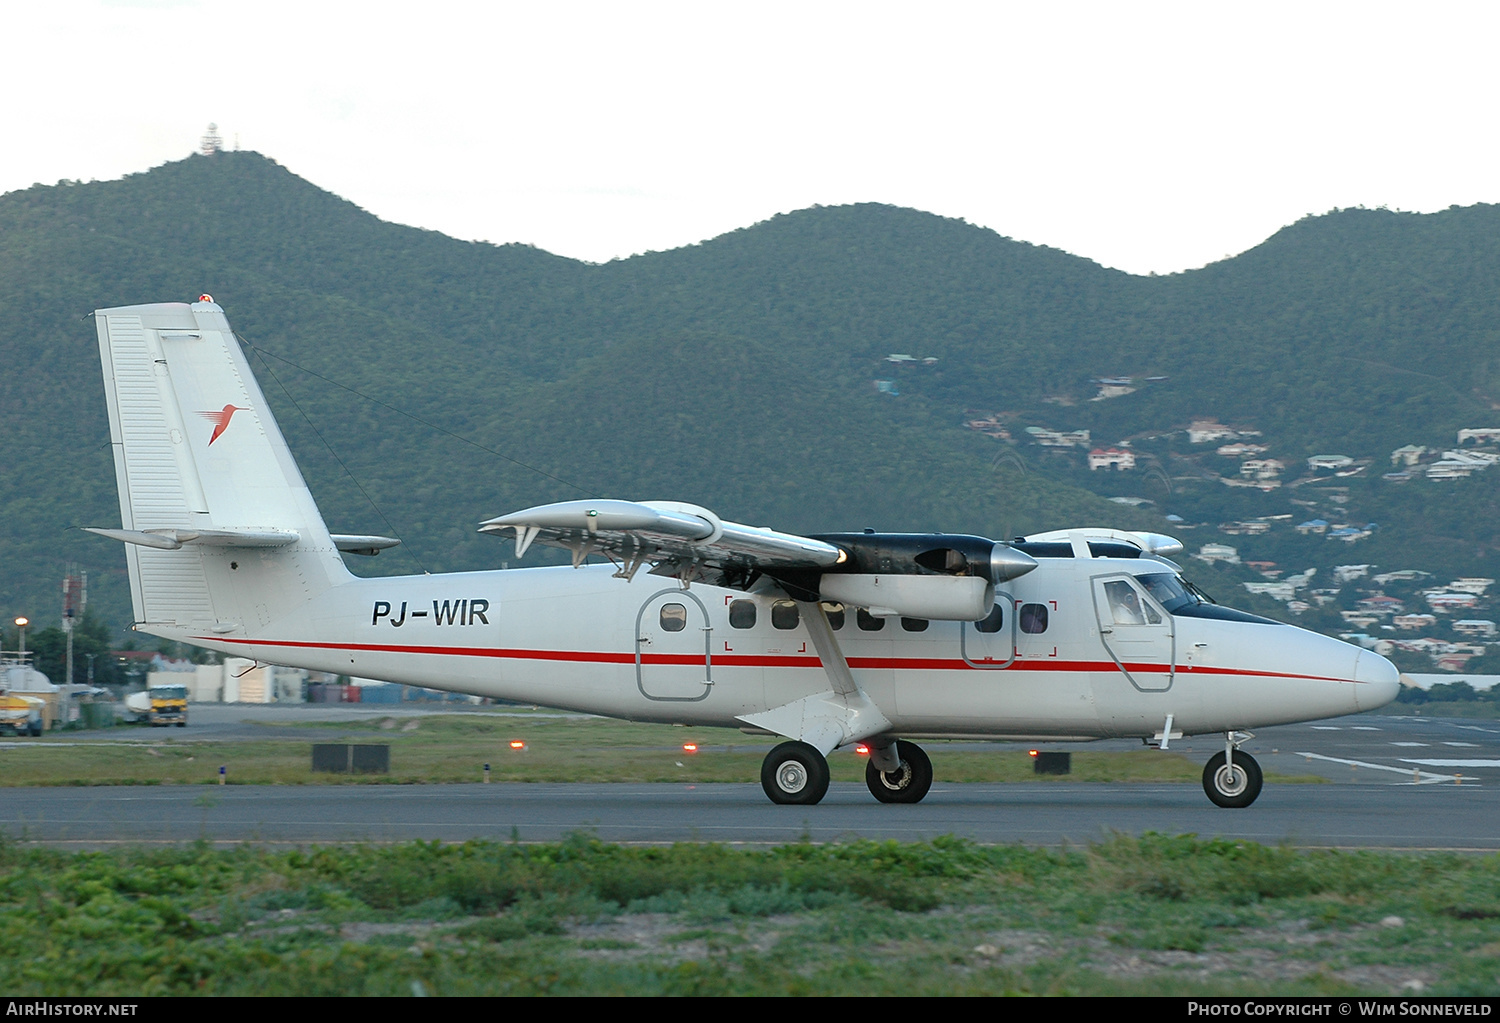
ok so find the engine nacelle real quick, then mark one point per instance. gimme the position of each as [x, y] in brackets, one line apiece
[929, 554]
[944, 598]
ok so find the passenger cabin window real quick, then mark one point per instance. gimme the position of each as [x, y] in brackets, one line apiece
[868, 622]
[742, 614]
[992, 622]
[673, 617]
[914, 624]
[784, 615]
[1033, 618]
[835, 613]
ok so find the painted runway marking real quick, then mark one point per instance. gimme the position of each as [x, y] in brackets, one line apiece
[1455, 763]
[1427, 778]
[1408, 744]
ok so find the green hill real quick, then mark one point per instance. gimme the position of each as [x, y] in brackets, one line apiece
[739, 373]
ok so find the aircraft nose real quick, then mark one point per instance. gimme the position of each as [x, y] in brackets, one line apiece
[1376, 681]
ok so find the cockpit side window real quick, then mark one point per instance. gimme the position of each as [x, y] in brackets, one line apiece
[1126, 606]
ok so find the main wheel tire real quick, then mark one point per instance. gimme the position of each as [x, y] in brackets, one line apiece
[908, 783]
[1234, 787]
[794, 773]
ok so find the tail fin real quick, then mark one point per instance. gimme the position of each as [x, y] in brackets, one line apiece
[222, 533]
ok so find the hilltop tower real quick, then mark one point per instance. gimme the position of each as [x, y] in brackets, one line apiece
[211, 142]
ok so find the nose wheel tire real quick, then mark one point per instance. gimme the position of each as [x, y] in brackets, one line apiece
[908, 783]
[1232, 786]
[794, 773]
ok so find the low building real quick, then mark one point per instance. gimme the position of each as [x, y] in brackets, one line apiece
[1443, 601]
[1474, 627]
[1262, 468]
[1212, 552]
[1409, 454]
[1203, 431]
[1058, 438]
[1111, 458]
[1488, 433]
[1415, 622]
[1329, 463]
[1471, 584]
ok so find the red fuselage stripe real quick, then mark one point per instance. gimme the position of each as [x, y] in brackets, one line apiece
[758, 660]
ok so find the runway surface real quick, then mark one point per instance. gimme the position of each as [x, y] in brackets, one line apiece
[1409, 783]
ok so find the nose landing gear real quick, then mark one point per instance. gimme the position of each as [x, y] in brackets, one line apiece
[1232, 779]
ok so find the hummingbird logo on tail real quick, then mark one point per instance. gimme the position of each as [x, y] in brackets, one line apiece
[221, 419]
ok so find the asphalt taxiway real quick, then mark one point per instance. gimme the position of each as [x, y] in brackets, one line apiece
[1396, 782]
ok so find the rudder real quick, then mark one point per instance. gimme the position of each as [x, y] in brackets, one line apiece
[221, 531]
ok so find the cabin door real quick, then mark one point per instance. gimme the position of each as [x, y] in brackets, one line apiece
[1136, 632]
[673, 647]
[991, 641]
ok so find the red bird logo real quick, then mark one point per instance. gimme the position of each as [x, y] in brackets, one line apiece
[221, 419]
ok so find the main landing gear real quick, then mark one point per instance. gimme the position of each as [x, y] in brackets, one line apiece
[908, 783]
[1232, 778]
[796, 773]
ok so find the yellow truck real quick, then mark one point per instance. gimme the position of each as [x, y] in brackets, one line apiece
[160, 705]
[21, 715]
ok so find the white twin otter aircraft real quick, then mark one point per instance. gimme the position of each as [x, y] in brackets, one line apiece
[827, 641]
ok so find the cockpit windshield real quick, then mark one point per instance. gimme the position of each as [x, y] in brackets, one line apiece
[1182, 598]
[1169, 591]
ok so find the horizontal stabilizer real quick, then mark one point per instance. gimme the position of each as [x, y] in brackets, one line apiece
[174, 539]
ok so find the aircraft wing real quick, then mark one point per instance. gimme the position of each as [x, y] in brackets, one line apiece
[681, 540]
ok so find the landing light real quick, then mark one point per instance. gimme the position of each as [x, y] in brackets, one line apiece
[862, 750]
[1032, 752]
[690, 747]
[205, 298]
[517, 744]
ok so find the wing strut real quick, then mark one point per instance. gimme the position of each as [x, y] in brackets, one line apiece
[834, 717]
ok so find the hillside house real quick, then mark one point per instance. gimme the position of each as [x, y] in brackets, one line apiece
[1443, 601]
[1471, 584]
[1475, 627]
[1415, 622]
[1313, 526]
[1405, 575]
[1251, 527]
[1241, 450]
[1204, 431]
[1111, 458]
[1058, 438]
[1329, 463]
[1348, 573]
[1381, 604]
[1262, 468]
[1212, 552]
[1480, 436]
[1411, 454]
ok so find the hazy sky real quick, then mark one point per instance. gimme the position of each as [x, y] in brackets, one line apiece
[1147, 136]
